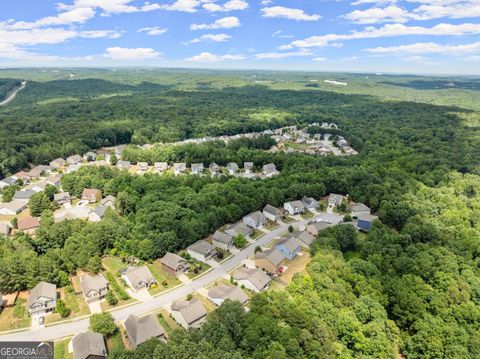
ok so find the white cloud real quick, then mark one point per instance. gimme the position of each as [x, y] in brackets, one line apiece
[212, 37]
[279, 34]
[110, 6]
[123, 53]
[376, 2]
[154, 30]
[208, 57]
[282, 55]
[377, 15]
[319, 59]
[450, 9]
[266, 2]
[427, 48]
[288, 13]
[230, 5]
[223, 23]
[182, 5]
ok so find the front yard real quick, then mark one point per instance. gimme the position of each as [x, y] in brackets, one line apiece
[307, 215]
[257, 234]
[196, 268]
[15, 317]
[75, 302]
[165, 281]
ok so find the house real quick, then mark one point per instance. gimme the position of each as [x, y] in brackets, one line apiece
[142, 167]
[335, 200]
[220, 293]
[239, 228]
[315, 227]
[74, 159]
[255, 220]
[331, 218]
[222, 240]
[214, 168]
[179, 168]
[94, 287]
[123, 165]
[28, 225]
[58, 163]
[160, 167]
[138, 277]
[109, 201]
[248, 167]
[42, 298]
[118, 150]
[294, 207]
[90, 156]
[197, 168]
[232, 168]
[7, 182]
[92, 195]
[4, 228]
[39, 170]
[140, 329]
[289, 247]
[358, 209]
[310, 203]
[270, 261]
[173, 264]
[62, 198]
[39, 186]
[23, 176]
[201, 250]
[189, 313]
[24, 194]
[88, 345]
[270, 170]
[272, 213]
[13, 207]
[252, 278]
[73, 168]
[78, 212]
[364, 221]
[97, 214]
[305, 238]
[54, 180]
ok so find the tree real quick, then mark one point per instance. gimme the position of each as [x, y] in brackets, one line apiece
[290, 229]
[111, 298]
[113, 159]
[62, 309]
[240, 241]
[103, 323]
[38, 203]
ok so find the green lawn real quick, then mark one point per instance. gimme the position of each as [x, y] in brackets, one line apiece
[165, 281]
[15, 317]
[77, 305]
[194, 263]
[288, 220]
[113, 264]
[257, 234]
[307, 215]
[167, 322]
[61, 349]
[271, 225]
[115, 343]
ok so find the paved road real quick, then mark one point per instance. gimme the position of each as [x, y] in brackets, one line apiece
[66, 329]
[13, 94]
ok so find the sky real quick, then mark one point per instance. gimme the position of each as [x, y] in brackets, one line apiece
[413, 36]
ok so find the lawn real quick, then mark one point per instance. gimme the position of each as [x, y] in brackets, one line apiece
[113, 264]
[167, 322]
[15, 317]
[165, 281]
[224, 254]
[76, 303]
[115, 343]
[307, 215]
[202, 267]
[271, 225]
[257, 234]
[297, 265]
[210, 306]
[61, 349]
[288, 219]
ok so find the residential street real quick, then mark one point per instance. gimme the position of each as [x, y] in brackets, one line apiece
[66, 329]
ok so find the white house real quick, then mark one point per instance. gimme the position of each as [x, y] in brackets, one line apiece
[294, 207]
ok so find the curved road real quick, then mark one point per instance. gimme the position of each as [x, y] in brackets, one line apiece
[66, 329]
[13, 94]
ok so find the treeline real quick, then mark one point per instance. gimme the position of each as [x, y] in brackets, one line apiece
[6, 86]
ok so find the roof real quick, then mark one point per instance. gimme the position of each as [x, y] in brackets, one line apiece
[332, 218]
[303, 236]
[88, 344]
[60, 196]
[224, 291]
[42, 289]
[22, 174]
[60, 161]
[197, 166]
[24, 194]
[319, 226]
[240, 228]
[358, 207]
[4, 228]
[79, 212]
[54, 178]
[307, 201]
[9, 180]
[232, 166]
[273, 255]
[100, 211]
[248, 165]
[272, 210]
[137, 275]
[214, 166]
[91, 191]
[181, 166]
[191, 310]
[107, 199]
[270, 167]
[290, 243]
[122, 163]
[367, 217]
[140, 329]
[28, 223]
[96, 282]
[161, 165]
[222, 237]
[256, 216]
[336, 198]
[256, 276]
[296, 204]
[201, 246]
[172, 260]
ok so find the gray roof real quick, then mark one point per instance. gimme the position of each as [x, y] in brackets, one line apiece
[107, 199]
[256, 276]
[42, 289]
[248, 165]
[367, 217]
[172, 260]
[222, 237]
[162, 166]
[307, 201]
[224, 291]
[297, 204]
[123, 164]
[88, 344]
[272, 210]
[139, 275]
[26, 194]
[202, 247]
[100, 211]
[270, 167]
[191, 310]
[256, 216]
[232, 166]
[336, 198]
[96, 282]
[358, 207]
[9, 180]
[320, 226]
[140, 329]
[4, 228]
[240, 228]
[61, 196]
[179, 166]
[303, 236]
[197, 166]
[214, 167]
[291, 243]
[332, 218]
[273, 255]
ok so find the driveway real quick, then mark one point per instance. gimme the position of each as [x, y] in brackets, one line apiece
[36, 322]
[141, 295]
[95, 307]
[184, 279]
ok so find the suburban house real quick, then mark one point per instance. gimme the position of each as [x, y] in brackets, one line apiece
[189, 313]
[140, 329]
[315, 227]
[232, 168]
[252, 278]
[23, 176]
[173, 264]
[255, 220]
[214, 168]
[239, 228]
[270, 260]
[62, 198]
[8, 181]
[331, 218]
[123, 165]
[79, 212]
[305, 238]
[364, 221]
[39, 186]
[222, 240]
[92, 195]
[248, 167]
[272, 213]
[58, 163]
[138, 277]
[108, 201]
[97, 214]
[94, 287]
[160, 167]
[5, 228]
[270, 170]
[310, 203]
[179, 168]
[39, 170]
[13, 207]
[88, 345]
[197, 168]
[24, 194]
[358, 209]
[219, 293]
[42, 298]
[28, 225]
[289, 247]
[294, 207]
[335, 200]
[201, 250]
[74, 159]
[90, 156]
[142, 167]
[73, 168]
[54, 180]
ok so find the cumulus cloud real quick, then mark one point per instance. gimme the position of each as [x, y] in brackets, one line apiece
[427, 48]
[223, 23]
[212, 37]
[288, 13]
[124, 53]
[319, 59]
[110, 6]
[230, 5]
[282, 55]
[377, 15]
[154, 30]
[207, 57]
[182, 5]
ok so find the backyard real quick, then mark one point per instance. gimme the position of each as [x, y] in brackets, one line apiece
[167, 322]
[16, 316]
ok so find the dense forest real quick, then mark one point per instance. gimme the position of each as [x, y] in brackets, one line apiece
[412, 285]
[6, 86]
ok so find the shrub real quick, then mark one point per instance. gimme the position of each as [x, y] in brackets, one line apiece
[103, 323]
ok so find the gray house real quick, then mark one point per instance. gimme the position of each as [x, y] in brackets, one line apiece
[248, 167]
[201, 250]
[310, 203]
[222, 240]
[89, 345]
[74, 159]
[140, 329]
[94, 288]
[179, 168]
[255, 220]
[232, 168]
[358, 209]
[270, 170]
[138, 278]
[214, 168]
[272, 213]
[174, 265]
[294, 207]
[42, 298]
[197, 168]
[62, 198]
[58, 163]
[123, 165]
[335, 200]
[219, 293]
[189, 313]
[252, 278]
[239, 228]
[24, 194]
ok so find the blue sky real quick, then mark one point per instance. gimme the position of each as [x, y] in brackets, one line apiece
[414, 36]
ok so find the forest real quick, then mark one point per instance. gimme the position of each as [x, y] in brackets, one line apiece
[411, 285]
[6, 86]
